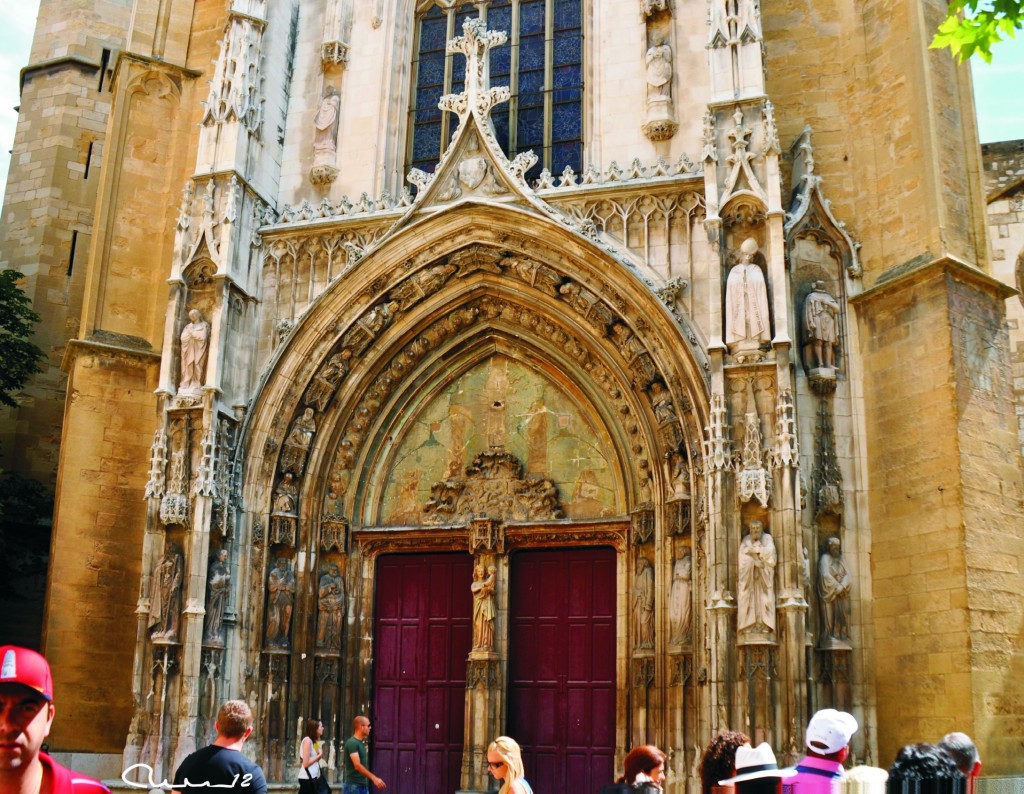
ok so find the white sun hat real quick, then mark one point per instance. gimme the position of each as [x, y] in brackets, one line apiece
[755, 762]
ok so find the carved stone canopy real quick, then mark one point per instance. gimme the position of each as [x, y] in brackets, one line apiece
[494, 488]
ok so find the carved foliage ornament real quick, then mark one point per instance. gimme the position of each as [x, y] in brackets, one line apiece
[493, 488]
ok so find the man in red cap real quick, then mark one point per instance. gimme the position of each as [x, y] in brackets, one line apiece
[26, 713]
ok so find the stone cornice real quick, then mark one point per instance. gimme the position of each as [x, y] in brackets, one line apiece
[927, 266]
[107, 349]
[53, 65]
[153, 63]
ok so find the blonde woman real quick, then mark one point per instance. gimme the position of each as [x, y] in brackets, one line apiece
[505, 763]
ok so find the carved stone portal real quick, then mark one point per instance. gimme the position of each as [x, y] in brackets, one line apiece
[494, 488]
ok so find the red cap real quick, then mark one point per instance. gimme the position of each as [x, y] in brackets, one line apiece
[26, 667]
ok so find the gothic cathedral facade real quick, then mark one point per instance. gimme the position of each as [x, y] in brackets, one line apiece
[600, 372]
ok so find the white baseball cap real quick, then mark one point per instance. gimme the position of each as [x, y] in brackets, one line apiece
[829, 731]
[756, 762]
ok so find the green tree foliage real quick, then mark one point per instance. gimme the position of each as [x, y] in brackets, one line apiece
[973, 26]
[19, 357]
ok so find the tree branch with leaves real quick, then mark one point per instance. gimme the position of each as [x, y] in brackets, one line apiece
[19, 357]
[973, 26]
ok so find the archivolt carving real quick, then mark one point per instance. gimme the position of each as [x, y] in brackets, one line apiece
[493, 488]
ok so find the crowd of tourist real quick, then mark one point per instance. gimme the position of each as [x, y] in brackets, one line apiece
[731, 764]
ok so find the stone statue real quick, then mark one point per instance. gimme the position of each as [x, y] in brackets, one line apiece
[332, 609]
[284, 497]
[659, 70]
[678, 474]
[834, 592]
[195, 346]
[325, 123]
[296, 445]
[746, 303]
[483, 607]
[280, 602]
[821, 323]
[679, 606]
[327, 379]
[218, 583]
[661, 403]
[756, 591]
[165, 598]
[643, 605]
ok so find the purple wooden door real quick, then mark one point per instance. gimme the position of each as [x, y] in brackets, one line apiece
[422, 636]
[561, 697]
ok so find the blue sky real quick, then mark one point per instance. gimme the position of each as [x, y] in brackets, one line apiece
[997, 86]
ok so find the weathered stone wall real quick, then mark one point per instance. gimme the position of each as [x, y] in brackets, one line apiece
[110, 412]
[97, 549]
[943, 489]
[993, 531]
[48, 206]
[1004, 182]
[898, 161]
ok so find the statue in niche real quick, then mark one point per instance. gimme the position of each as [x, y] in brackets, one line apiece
[746, 303]
[325, 123]
[678, 474]
[296, 445]
[327, 380]
[195, 347]
[661, 403]
[483, 607]
[679, 606]
[285, 496]
[280, 602]
[331, 596]
[756, 591]
[834, 593]
[165, 598]
[218, 583]
[643, 605]
[659, 71]
[821, 324]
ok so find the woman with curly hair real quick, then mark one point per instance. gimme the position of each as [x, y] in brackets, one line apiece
[719, 759]
[505, 763]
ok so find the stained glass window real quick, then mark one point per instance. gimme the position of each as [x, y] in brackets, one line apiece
[542, 65]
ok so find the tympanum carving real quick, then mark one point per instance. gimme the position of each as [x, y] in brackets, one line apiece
[493, 487]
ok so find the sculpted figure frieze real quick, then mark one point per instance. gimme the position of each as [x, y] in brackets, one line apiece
[420, 285]
[296, 444]
[327, 379]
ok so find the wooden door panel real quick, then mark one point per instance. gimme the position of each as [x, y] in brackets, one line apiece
[562, 649]
[422, 636]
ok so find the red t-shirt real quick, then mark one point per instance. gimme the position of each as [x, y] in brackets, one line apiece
[66, 781]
